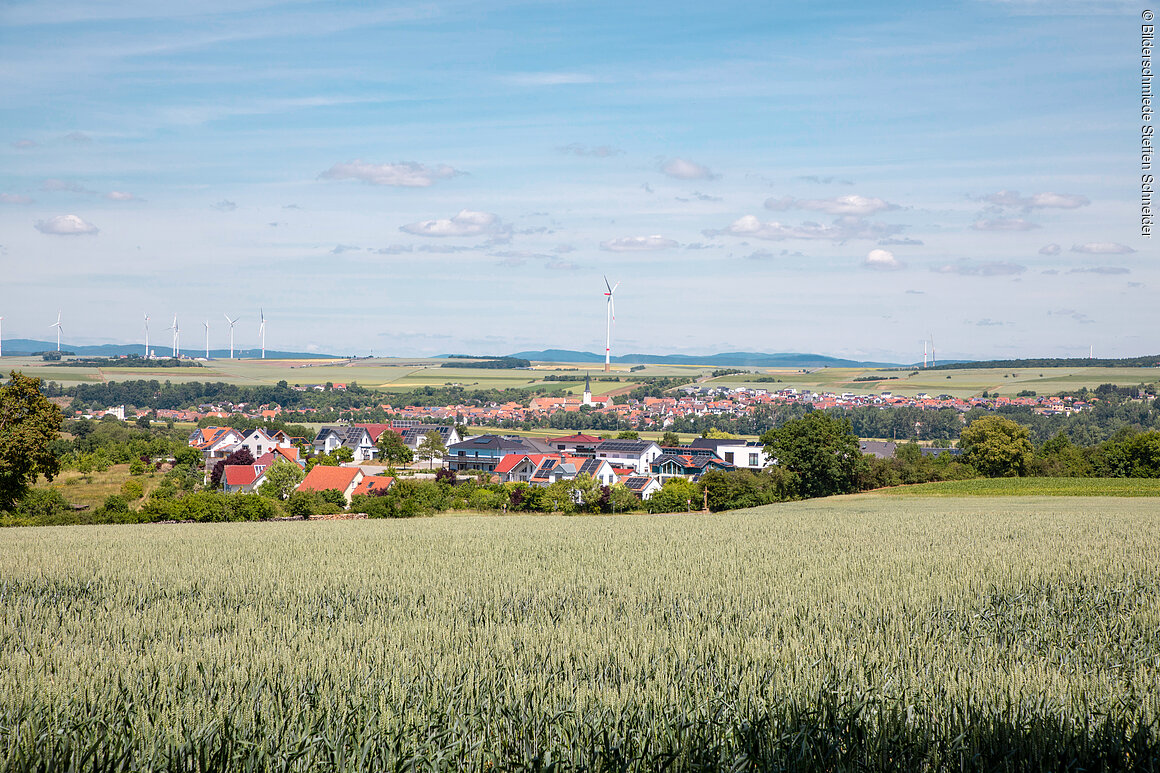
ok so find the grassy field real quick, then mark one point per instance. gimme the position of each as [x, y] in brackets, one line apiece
[1029, 487]
[850, 633]
[394, 375]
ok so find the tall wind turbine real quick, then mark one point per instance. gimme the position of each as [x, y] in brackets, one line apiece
[57, 326]
[933, 358]
[146, 336]
[262, 331]
[924, 354]
[176, 336]
[207, 339]
[610, 317]
[232, 323]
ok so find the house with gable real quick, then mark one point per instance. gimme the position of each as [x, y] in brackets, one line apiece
[637, 454]
[322, 477]
[644, 486]
[483, 452]
[215, 443]
[739, 453]
[357, 439]
[688, 466]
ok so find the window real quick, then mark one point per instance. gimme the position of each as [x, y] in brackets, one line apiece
[753, 460]
[729, 457]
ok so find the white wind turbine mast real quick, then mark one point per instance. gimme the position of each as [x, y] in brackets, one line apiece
[57, 326]
[924, 355]
[933, 358]
[207, 339]
[146, 336]
[176, 335]
[262, 331]
[610, 317]
[232, 323]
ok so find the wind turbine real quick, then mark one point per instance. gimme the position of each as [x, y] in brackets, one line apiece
[176, 336]
[924, 354]
[610, 317]
[146, 336]
[262, 331]
[57, 326]
[207, 339]
[232, 323]
[933, 358]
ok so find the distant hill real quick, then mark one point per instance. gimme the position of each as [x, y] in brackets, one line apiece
[744, 359]
[13, 346]
[1147, 361]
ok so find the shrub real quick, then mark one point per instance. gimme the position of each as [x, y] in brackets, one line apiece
[42, 502]
[132, 489]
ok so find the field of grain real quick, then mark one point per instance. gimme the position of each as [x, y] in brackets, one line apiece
[850, 633]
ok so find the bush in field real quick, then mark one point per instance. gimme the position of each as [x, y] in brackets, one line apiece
[40, 502]
[308, 503]
[280, 478]
[115, 503]
[997, 447]
[734, 489]
[136, 467]
[189, 456]
[333, 496]
[132, 489]
[677, 495]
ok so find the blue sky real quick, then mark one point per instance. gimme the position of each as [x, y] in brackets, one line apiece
[409, 179]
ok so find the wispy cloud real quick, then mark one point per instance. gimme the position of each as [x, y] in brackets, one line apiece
[78, 137]
[24, 144]
[1109, 270]
[561, 265]
[403, 174]
[1102, 248]
[1004, 224]
[15, 198]
[1048, 200]
[684, 169]
[341, 248]
[466, 223]
[120, 196]
[1050, 249]
[598, 151]
[882, 260]
[1078, 316]
[853, 204]
[639, 244]
[225, 205]
[66, 225]
[990, 268]
[900, 241]
[842, 229]
[53, 185]
[549, 78]
[824, 180]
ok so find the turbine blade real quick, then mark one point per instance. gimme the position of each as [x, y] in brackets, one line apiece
[612, 305]
[606, 284]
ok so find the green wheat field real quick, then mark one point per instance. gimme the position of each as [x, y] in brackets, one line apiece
[853, 633]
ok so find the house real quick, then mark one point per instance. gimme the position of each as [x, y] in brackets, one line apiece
[577, 445]
[268, 458]
[638, 454]
[739, 453]
[215, 443]
[689, 466]
[259, 442]
[373, 484]
[357, 439]
[322, 477]
[241, 478]
[518, 468]
[883, 449]
[644, 486]
[484, 452]
[413, 436]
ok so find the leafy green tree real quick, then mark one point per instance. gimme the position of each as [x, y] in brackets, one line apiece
[997, 447]
[392, 449]
[820, 452]
[677, 495]
[333, 496]
[28, 425]
[132, 490]
[432, 446]
[621, 500]
[712, 433]
[342, 455]
[628, 434]
[280, 479]
[670, 440]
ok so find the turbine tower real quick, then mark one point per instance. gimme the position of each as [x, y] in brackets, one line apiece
[146, 336]
[262, 331]
[57, 326]
[232, 323]
[933, 358]
[176, 336]
[610, 317]
[924, 355]
[207, 339]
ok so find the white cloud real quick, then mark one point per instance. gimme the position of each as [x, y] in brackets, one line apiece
[64, 186]
[1101, 270]
[600, 151]
[120, 196]
[466, 223]
[843, 229]
[882, 260]
[638, 244]
[1102, 248]
[24, 144]
[852, 204]
[903, 241]
[404, 174]
[1050, 249]
[78, 137]
[991, 268]
[1004, 224]
[684, 169]
[14, 198]
[1046, 200]
[225, 205]
[561, 265]
[66, 225]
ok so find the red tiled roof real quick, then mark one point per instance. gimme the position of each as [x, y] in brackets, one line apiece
[322, 477]
[239, 475]
[374, 483]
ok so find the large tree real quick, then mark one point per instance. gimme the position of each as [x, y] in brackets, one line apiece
[996, 446]
[820, 452]
[28, 424]
[432, 446]
[392, 449]
[281, 478]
